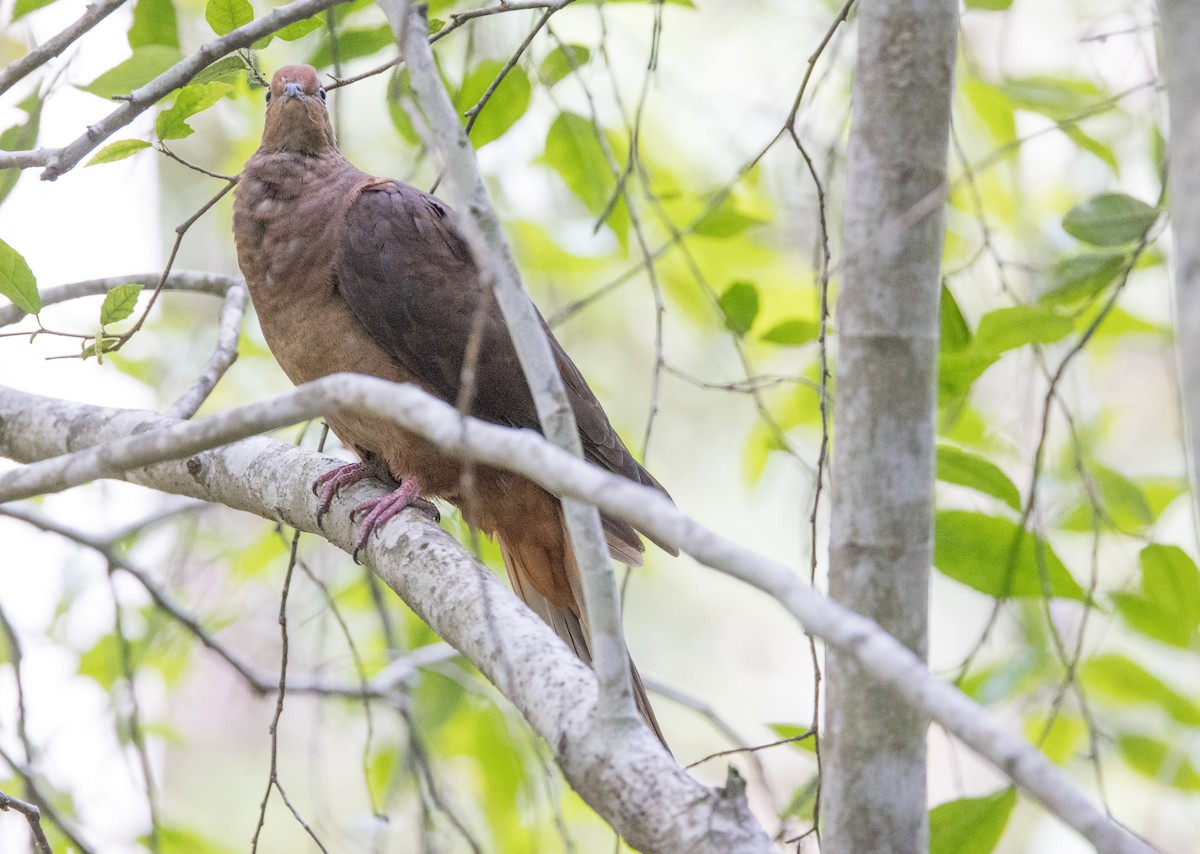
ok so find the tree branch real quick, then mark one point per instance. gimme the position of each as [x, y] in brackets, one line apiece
[494, 257]
[19, 68]
[463, 603]
[58, 161]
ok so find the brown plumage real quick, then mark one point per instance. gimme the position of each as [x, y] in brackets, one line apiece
[349, 272]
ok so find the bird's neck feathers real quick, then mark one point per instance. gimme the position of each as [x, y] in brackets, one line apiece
[298, 126]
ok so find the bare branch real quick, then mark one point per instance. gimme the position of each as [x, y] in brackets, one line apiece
[33, 815]
[229, 332]
[494, 256]
[34, 428]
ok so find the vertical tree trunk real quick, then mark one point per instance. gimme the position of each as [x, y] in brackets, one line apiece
[1180, 60]
[873, 787]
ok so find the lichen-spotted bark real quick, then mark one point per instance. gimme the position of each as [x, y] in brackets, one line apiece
[873, 791]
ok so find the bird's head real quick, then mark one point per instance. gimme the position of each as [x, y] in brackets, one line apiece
[296, 116]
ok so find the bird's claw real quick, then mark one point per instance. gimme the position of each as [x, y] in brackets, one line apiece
[383, 507]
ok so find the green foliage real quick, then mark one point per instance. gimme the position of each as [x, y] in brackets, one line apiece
[1081, 277]
[118, 150]
[739, 305]
[1110, 219]
[299, 29]
[964, 468]
[562, 61]
[119, 303]
[792, 332]
[225, 16]
[507, 104]
[725, 220]
[154, 22]
[1124, 681]
[1159, 761]
[997, 557]
[970, 825]
[1167, 608]
[23, 7]
[19, 138]
[192, 99]
[146, 63]
[353, 44]
[17, 281]
[574, 152]
[1123, 505]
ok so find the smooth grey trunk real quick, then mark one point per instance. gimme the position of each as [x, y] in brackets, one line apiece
[1180, 60]
[881, 538]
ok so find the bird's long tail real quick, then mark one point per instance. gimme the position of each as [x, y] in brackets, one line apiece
[526, 561]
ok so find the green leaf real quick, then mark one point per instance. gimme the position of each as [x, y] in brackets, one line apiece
[507, 104]
[1008, 328]
[573, 151]
[192, 99]
[118, 150]
[994, 108]
[147, 62]
[562, 61]
[119, 303]
[739, 304]
[353, 44]
[792, 332]
[1168, 607]
[154, 22]
[725, 220]
[802, 735]
[23, 7]
[956, 335]
[223, 69]
[299, 29]
[1118, 678]
[1123, 503]
[997, 557]
[1081, 277]
[20, 138]
[971, 470]
[989, 5]
[224, 16]
[1092, 145]
[1057, 97]
[1158, 761]
[102, 662]
[1110, 219]
[1061, 743]
[970, 825]
[17, 281]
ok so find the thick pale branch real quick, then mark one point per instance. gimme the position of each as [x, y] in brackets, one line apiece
[493, 255]
[271, 479]
[627, 777]
[61, 160]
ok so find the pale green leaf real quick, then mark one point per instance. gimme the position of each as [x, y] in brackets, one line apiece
[1127, 682]
[118, 150]
[119, 303]
[224, 16]
[20, 137]
[17, 281]
[971, 470]
[562, 61]
[506, 104]
[1159, 760]
[154, 22]
[970, 825]
[147, 62]
[192, 99]
[574, 152]
[792, 332]
[1008, 328]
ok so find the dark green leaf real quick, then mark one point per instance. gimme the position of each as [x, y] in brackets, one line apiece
[1110, 219]
[562, 61]
[1158, 761]
[956, 335]
[118, 150]
[224, 16]
[507, 104]
[17, 281]
[154, 22]
[23, 7]
[20, 137]
[739, 304]
[299, 29]
[1126, 681]
[725, 220]
[354, 44]
[997, 557]
[119, 303]
[146, 63]
[792, 332]
[1008, 328]
[970, 825]
[192, 99]
[1081, 277]
[976, 472]
[573, 151]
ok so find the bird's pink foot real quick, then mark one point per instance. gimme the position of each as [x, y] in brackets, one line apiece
[382, 508]
[334, 479]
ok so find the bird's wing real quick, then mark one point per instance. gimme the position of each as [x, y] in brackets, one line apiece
[406, 273]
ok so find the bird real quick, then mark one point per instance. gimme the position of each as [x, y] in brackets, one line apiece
[349, 272]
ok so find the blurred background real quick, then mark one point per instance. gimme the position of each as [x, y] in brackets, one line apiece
[672, 234]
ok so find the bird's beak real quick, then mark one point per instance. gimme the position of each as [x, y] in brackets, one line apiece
[292, 90]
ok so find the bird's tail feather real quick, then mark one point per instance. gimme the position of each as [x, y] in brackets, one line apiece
[568, 622]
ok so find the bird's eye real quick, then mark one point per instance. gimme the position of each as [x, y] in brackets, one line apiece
[321, 93]
[268, 96]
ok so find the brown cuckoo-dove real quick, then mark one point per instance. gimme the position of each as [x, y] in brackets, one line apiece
[349, 272]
